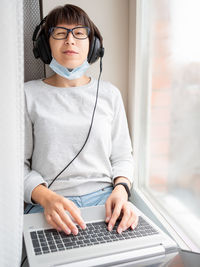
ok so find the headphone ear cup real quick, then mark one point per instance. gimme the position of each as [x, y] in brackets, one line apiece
[42, 49]
[96, 50]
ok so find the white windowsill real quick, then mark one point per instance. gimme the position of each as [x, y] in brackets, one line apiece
[183, 241]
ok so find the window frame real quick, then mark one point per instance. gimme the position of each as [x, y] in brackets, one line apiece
[141, 124]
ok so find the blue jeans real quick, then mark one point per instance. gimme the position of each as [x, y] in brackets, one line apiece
[93, 199]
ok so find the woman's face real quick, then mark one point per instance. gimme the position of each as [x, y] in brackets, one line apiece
[70, 52]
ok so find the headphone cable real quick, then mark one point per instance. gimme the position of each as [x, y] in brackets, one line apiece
[25, 258]
[97, 93]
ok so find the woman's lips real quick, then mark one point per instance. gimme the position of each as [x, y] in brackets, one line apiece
[70, 52]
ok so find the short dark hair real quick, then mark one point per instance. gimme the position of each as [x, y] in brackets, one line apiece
[71, 14]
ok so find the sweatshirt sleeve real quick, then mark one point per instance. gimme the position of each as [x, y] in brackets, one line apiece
[31, 177]
[121, 155]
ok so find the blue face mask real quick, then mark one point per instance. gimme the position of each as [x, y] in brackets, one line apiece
[66, 73]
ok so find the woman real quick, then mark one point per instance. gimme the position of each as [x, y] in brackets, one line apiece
[59, 110]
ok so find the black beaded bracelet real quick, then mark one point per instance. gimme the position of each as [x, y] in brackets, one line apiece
[125, 186]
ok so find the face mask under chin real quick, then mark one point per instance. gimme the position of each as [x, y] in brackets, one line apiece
[70, 74]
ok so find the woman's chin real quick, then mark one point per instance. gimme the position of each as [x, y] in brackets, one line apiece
[72, 65]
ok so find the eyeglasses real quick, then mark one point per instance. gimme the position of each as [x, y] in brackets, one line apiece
[60, 33]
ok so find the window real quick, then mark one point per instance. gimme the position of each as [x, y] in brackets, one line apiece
[167, 115]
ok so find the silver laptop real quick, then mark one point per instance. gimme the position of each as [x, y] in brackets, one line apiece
[96, 246]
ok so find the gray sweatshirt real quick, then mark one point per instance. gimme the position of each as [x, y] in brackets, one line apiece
[57, 122]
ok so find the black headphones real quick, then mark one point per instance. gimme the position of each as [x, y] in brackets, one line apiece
[41, 48]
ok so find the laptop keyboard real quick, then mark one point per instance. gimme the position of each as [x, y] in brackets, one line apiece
[50, 240]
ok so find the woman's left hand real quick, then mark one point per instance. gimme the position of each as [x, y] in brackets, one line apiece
[117, 204]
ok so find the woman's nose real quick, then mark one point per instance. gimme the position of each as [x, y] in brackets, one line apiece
[69, 39]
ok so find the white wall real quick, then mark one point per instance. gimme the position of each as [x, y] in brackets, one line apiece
[112, 19]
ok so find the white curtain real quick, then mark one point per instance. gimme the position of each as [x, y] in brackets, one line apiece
[11, 132]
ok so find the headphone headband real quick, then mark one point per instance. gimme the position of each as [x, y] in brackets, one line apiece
[35, 33]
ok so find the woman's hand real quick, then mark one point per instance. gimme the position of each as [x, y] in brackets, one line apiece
[117, 204]
[55, 207]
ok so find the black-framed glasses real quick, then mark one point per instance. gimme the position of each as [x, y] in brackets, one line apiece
[61, 33]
